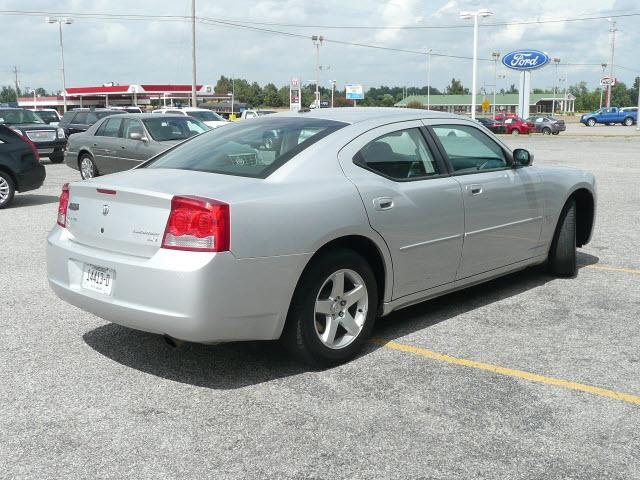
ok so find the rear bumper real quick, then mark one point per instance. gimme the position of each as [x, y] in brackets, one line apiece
[197, 297]
[31, 179]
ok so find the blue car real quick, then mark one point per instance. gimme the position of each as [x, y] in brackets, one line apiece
[610, 116]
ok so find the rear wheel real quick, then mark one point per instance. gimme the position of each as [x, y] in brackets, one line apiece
[7, 189]
[515, 131]
[628, 122]
[546, 131]
[556, 133]
[562, 254]
[56, 157]
[333, 309]
[87, 166]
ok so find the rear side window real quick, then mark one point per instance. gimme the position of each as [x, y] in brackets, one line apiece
[109, 128]
[401, 155]
[469, 150]
[247, 149]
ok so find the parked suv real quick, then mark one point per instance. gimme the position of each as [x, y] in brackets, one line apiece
[50, 141]
[80, 119]
[547, 125]
[20, 168]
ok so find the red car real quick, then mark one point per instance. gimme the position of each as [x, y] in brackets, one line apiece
[516, 126]
[504, 116]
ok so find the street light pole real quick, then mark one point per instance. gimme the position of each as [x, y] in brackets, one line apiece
[495, 56]
[638, 120]
[317, 41]
[60, 21]
[556, 61]
[466, 16]
[429, 79]
[333, 88]
[613, 31]
[194, 99]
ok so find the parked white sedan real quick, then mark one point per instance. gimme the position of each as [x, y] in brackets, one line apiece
[208, 117]
[308, 226]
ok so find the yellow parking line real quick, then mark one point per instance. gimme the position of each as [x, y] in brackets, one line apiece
[613, 269]
[532, 377]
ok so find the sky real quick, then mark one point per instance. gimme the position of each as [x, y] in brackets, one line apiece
[98, 50]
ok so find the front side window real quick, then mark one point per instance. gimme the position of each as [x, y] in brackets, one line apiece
[248, 149]
[400, 155]
[174, 128]
[131, 126]
[469, 150]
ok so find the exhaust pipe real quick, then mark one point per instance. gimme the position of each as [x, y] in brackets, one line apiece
[173, 342]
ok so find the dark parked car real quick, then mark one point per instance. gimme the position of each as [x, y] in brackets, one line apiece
[122, 142]
[49, 140]
[80, 119]
[20, 168]
[495, 126]
[547, 125]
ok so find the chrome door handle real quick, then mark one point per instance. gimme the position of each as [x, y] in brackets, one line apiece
[474, 189]
[383, 203]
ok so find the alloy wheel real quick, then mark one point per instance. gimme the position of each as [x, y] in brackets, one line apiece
[341, 309]
[5, 190]
[86, 168]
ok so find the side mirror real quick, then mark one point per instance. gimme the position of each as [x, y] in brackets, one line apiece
[137, 136]
[522, 158]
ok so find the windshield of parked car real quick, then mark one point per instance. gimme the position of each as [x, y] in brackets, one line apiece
[249, 149]
[174, 128]
[19, 116]
[47, 117]
[205, 115]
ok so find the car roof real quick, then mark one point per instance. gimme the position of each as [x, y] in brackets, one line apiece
[143, 116]
[362, 114]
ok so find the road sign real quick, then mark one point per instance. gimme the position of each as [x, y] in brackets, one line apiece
[295, 97]
[606, 81]
[485, 105]
[354, 92]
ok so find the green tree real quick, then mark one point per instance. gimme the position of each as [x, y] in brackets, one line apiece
[270, 96]
[456, 88]
[8, 94]
[223, 85]
[283, 93]
[387, 100]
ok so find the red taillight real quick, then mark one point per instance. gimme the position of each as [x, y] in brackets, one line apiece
[62, 206]
[34, 149]
[197, 224]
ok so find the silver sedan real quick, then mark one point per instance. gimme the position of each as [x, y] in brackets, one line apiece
[306, 227]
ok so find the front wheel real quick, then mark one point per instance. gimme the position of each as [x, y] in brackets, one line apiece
[562, 254]
[556, 133]
[88, 168]
[546, 131]
[333, 309]
[56, 157]
[7, 189]
[591, 122]
[515, 131]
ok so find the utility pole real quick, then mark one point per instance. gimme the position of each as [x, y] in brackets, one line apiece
[333, 89]
[613, 31]
[429, 78]
[495, 56]
[317, 41]
[15, 71]
[604, 66]
[556, 61]
[60, 21]
[194, 99]
[638, 120]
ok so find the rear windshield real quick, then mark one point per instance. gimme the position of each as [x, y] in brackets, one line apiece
[48, 116]
[174, 128]
[205, 115]
[247, 149]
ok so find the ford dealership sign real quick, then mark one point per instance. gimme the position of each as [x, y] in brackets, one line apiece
[525, 59]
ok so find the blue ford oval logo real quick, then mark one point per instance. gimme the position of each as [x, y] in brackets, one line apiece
[525, 59]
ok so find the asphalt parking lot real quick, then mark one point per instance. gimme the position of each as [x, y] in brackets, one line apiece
[82, 398]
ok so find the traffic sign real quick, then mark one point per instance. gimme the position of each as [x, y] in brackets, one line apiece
[485, 105]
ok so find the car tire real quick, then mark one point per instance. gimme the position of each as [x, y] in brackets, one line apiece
[628, 122]
[546, 131]
[314, 331]
[591, 122]
[7, 189]
[515, 131]
[57, 158]
[562, 254]
[87, 167]
[556, 133]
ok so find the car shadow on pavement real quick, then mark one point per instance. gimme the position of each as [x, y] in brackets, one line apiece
[240, 364]
[426, 314]
[29, 200]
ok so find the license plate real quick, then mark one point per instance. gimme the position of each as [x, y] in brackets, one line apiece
[98, 279]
